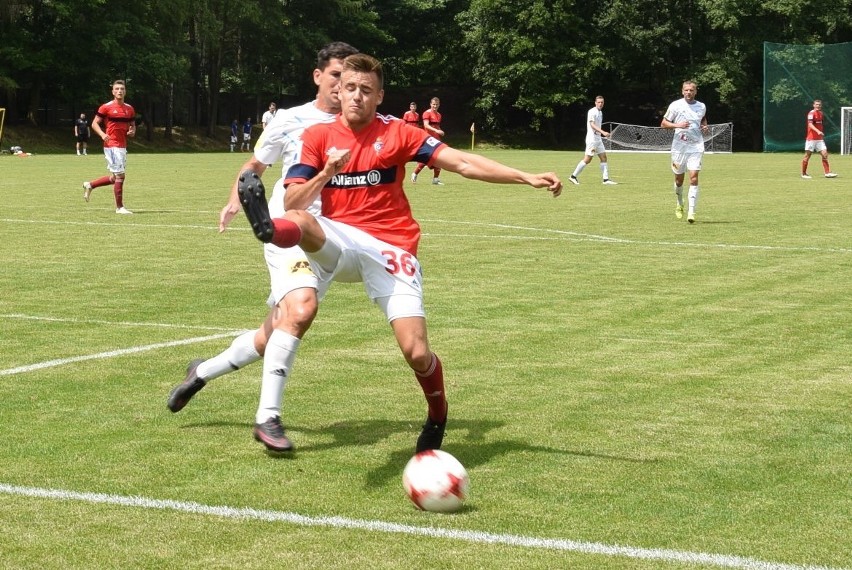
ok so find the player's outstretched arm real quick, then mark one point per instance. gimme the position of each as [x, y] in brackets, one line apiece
[478, 167]
[233, 207]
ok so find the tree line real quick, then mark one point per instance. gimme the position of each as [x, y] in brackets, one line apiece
[515, 67]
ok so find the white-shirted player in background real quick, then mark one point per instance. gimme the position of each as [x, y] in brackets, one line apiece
[295, 291]
[594, 143]
[688, 118]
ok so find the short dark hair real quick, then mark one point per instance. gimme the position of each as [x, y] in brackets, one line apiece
[363, 63]
[119, 82]
[334, 50]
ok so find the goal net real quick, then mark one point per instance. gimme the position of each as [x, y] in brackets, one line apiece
[846, 130]
[793, 77]
[638, 138]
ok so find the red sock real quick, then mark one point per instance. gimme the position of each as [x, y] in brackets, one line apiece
[825, 166]
[436, 172]
[418, 168]
[432, 383]
[118, 190]
[285, 233]
[102, 181]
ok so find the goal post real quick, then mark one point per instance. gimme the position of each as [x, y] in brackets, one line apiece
[638, 138]
[2, 122]
[846, 130]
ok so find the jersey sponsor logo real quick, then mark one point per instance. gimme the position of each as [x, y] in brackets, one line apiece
[363, 179]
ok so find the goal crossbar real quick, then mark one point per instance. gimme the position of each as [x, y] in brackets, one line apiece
[639, 138]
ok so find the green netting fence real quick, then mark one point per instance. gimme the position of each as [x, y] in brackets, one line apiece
[793, 76]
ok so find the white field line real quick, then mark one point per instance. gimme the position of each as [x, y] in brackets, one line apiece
[591, 548]
[113, 353]
[561, 235]
[577, 236]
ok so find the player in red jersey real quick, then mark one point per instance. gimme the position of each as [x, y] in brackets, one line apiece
[114, 122]
[411, 117]
[432, 124]
[814, 141]
[366, 232]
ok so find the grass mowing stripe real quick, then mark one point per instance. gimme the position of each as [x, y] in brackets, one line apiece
[113, 353]
[658, 554]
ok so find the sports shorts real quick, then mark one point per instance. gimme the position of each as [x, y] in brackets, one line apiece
[683, 161]
[815, 146]
[116, 159]
[596, 147]
[392, 277]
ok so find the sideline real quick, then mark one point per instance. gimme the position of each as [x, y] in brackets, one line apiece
[594, 548]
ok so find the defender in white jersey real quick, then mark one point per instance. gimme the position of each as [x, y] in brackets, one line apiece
[295, 290]
[594, 143]
[688, 118]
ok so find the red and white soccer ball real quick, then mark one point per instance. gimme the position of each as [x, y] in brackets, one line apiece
[435, 481]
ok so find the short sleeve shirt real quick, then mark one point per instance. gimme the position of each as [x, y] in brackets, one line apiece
[118, 118]
[691, 138]
[367, 194]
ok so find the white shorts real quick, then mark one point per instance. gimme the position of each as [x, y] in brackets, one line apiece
[815, 146]
[233, 139]
[683, 161]
[246, 137]
[116, 159]
[594, 148]
[289, 269]
[392, 277]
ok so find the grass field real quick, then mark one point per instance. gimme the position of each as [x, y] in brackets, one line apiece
[627, 391]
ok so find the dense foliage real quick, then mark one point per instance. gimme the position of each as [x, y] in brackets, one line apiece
[507, 64]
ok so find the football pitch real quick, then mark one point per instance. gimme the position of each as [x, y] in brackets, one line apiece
[627, 391]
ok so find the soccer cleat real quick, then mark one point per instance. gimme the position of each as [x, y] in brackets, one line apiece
[573, 179]
[271, 434]
[806, 176]
[437, 182]
[431, 436]
[610, 182]
[690, 217]
[87, 190]
[122, 210]
[253, 198]
[414, 178]
[679, 211]
[191, 385]
[830, 175]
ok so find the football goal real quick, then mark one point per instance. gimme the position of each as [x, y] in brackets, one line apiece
[846, 130]
[637, 138]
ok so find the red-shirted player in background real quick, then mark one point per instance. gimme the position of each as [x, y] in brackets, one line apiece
[814, 141]
[366, 232]
[114, 122]
[411, 117]
[432, 124]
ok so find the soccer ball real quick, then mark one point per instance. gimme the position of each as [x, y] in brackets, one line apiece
[435, 481]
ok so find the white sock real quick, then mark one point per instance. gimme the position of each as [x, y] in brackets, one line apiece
[693, 198]
[277, 364]
[239, 354]
[580, 166]
[679, 194]
[605, 171]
